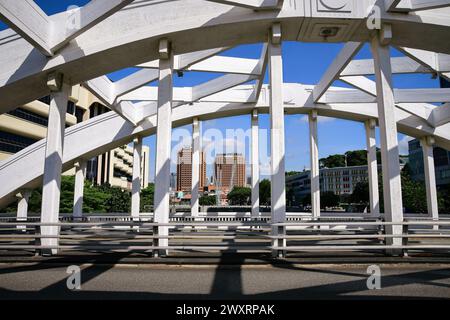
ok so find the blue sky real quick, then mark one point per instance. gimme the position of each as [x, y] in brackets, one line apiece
[303, 63]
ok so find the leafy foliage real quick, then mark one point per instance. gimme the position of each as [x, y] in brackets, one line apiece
[207, 201]
[329, 199]
[240, 196]
[264, 192]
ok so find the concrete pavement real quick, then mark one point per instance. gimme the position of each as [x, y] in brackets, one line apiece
[48, 281]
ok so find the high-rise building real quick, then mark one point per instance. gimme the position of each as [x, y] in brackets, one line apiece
[184, 170]
[229, 171]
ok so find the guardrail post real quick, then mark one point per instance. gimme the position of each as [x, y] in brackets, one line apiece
[405, 239]
[155, 241]
[37, 240]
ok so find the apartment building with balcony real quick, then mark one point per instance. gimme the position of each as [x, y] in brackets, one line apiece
[27, 124]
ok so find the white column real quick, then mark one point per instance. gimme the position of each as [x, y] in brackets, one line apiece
[255, 164]
[22, 206]
[430, 178]
[136, 182]
[372, 166]
[53, 159]
[277, 147]
[314, 162]
[392, 190]
[195, 167]
[80, 174]
[163, 140]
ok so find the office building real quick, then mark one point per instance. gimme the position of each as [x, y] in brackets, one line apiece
[229, 171]
[184, 170]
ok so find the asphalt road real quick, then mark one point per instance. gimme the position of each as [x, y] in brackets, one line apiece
[41, 281]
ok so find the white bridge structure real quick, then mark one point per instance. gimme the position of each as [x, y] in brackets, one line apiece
[42, 55]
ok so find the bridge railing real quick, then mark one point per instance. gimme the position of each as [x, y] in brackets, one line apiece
[237, 236]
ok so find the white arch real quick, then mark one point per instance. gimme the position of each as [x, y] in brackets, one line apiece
[100, 134]
[130, 37]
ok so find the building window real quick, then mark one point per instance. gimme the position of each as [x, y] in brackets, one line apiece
[29, 116]
[12, 143]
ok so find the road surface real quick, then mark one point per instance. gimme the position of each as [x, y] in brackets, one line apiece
[49, 281]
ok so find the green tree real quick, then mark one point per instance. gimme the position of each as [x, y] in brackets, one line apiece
[333, 161]
[207, 201]
[264, 192]
[360, 193]
[240, 196]
[147, 197]
[291, 173]
[329, 199]
[119, 202]
[413, 193]
[356, 158]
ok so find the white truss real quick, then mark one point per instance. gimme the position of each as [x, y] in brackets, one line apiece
[203, 30]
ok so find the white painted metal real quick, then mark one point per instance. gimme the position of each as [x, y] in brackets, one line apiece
[254, 162]
[392, 191]
[196, 148]
[347, 53]
[23, 198]
[372, 166]
[51, 188]
[136, 183]
[163, 139]
[430, 178]
[251, 4]
[80, 174]
[277, 141]
[314, 162]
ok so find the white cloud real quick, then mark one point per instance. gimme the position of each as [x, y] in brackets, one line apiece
[320, 119]
[403, 145]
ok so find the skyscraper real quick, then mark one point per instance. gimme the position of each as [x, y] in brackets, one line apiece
[184, 170]
[229, 171]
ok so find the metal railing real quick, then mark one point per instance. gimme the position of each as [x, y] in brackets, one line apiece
[254, 235]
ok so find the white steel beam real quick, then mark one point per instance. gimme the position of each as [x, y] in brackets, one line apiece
[263, 61]
[80, 174]
[136, 183]
[362, 67]
[392, 190]
[251, 4]
[344, 57]
[51, 188]
[277, 141]
[50, 33]
[314, 162]
[440, 115]
[195, 167]
[430, 177]
[372, 166]
[23, 199]
[419, 5]
[67, 27]
[163, 140]
[29, 21]
[255, 163]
